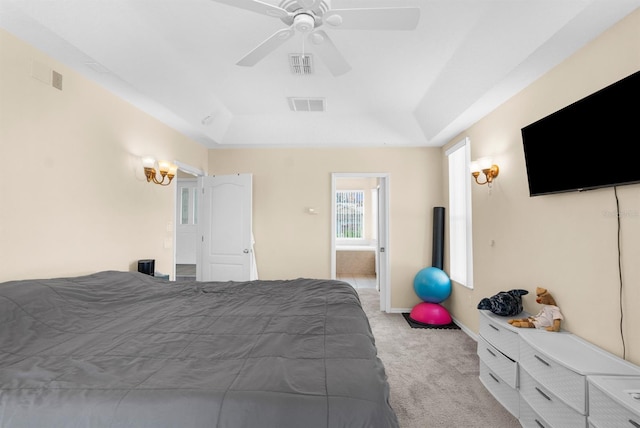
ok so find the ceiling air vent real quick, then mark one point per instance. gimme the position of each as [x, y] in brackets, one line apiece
[306, 104]
[300, 64]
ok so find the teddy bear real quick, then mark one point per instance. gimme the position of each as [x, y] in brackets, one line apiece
[549, 316]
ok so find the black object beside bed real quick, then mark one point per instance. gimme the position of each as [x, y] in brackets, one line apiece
[124, 349]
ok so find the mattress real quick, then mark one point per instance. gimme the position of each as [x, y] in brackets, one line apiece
[124, 349]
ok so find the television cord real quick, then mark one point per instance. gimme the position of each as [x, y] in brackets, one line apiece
[624, 348]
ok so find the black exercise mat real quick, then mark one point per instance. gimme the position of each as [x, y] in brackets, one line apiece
[416, 324]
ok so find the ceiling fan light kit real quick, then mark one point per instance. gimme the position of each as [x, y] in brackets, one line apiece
[308, 16]
[303, 22]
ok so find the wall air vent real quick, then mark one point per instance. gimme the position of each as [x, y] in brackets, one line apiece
[301, 64]
[306, 104]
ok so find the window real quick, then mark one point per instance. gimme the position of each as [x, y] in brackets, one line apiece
[350, 214]
[188, 203]
[460, 237]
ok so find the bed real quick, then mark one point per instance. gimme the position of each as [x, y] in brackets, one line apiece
[124, 349]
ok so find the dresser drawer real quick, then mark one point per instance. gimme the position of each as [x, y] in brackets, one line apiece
[565, 384]
[529, 418]
[612, 403]
[561, 362]
[498, 363]
[506, 395]
[550, 407]
[495, 330]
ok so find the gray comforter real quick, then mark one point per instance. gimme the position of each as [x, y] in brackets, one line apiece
[122, 349]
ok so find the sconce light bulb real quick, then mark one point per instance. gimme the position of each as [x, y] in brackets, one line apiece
[163, 166]
[474, 167]
[148, 162]
[484, 163]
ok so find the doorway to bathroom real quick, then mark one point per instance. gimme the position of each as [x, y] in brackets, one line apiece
[359, 232]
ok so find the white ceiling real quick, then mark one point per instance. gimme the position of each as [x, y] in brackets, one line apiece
[176, 59]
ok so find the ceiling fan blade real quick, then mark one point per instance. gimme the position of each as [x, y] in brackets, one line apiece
[387, 18]
[330, 55]
[266, 47]
[257, 6]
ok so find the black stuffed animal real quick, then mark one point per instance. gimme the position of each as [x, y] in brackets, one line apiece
[505, 303]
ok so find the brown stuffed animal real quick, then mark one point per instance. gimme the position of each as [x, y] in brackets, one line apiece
[548, 318]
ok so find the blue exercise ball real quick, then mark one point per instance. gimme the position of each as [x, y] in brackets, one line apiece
[432, 285]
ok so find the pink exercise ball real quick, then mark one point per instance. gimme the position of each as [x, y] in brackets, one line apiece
[430, 313]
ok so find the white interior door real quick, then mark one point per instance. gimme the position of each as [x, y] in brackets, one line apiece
[226, 247]
[382, 252]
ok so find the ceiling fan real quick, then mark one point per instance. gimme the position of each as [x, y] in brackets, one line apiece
[310, 16]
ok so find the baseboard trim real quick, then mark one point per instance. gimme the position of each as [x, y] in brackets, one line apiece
[466, 329]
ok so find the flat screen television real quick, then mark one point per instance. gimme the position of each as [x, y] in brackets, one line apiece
[588, 144]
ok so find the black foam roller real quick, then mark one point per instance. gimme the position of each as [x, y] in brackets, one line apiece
[438, 237]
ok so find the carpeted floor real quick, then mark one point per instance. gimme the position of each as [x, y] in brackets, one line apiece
[433, 374]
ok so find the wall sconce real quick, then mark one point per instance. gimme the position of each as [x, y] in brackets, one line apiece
[167, 170]
[487, 167]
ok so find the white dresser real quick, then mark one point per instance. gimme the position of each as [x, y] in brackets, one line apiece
[554, 369]
[614, 401]
[556, 379]
[498, 350]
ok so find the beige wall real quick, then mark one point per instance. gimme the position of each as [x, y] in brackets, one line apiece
[291, 243]
[566, 242]
[73, 197]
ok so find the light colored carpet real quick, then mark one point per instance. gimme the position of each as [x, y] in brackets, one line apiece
[432, 373]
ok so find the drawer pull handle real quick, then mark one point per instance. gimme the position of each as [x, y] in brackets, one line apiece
[494, 378]
[635, 424]
[543, 394]
[494, 327]
[539, 424]
[542, 361]
[491, 352]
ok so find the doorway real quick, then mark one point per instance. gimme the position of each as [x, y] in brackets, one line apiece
[359, 232]
[186, 227]
[185, 221]
[213, 228]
